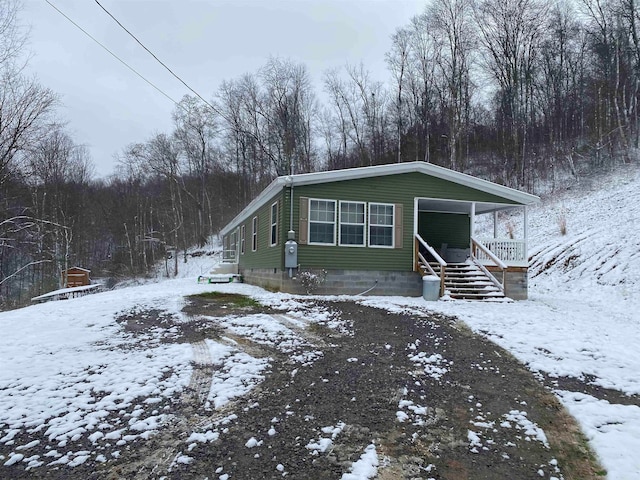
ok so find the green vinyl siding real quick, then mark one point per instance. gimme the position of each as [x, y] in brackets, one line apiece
[439, 228]
[393, 189]
[400, 190]
[265, 256]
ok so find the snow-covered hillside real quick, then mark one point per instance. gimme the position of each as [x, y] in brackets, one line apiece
[68, 369]
[601, 245]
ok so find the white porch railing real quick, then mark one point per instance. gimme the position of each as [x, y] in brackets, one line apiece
[229, 255]
[511, 252]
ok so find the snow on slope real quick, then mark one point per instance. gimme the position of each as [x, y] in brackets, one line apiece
[601, 246]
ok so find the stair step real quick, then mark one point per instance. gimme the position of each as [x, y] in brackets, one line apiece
[465, 281]
[470, 281]
[460, 291]
[466, 277]
[471, 296]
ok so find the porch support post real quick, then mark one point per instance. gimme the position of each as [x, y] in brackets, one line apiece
[472, 225]
[525, 222]
[495, 224]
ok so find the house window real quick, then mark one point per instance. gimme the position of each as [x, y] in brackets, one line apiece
[381, 225]
[322, 222]
[233, 240]
[242, 239]
[254, 234]
[352, 223]
[274, 224]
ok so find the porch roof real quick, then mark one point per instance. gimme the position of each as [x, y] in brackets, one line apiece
[461, 206]
[430, 169]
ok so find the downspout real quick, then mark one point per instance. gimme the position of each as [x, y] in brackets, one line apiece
[291, 205]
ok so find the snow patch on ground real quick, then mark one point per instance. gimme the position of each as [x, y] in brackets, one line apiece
[366, 467]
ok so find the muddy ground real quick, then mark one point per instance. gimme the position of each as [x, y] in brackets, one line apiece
[437, 401]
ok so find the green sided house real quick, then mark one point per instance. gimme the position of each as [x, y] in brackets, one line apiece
[379, 230]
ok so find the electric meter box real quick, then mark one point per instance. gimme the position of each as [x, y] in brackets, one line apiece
[290, 254]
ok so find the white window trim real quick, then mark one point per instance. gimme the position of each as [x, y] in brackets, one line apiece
[274, 223]
[254, 234]
[364, 224]
[309, 222]
[233, 244]
[242, 239]
[393, 225]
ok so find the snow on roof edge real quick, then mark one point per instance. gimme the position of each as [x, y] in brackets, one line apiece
[486, 186]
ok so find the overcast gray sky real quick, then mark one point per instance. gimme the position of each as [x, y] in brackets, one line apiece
[204, 42]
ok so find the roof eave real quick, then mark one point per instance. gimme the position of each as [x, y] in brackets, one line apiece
[246, 212]
[514, 195]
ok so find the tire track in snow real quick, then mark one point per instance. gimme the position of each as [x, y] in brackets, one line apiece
[201, 377]
[194, 398]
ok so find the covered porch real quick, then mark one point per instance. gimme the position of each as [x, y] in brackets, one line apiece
[463, 244]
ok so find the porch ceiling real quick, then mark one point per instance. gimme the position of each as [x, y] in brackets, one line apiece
[460, 206]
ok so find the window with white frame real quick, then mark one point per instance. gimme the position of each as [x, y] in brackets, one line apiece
[254, 234]
[381, 225]
[233, 241]
[274, 224]
[322, 222]
[352, 220]
[242, 239]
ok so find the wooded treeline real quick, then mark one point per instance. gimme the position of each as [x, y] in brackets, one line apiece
[523, 93]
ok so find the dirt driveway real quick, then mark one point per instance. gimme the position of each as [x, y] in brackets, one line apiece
[431, 399]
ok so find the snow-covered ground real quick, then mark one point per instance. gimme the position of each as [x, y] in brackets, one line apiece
[68, 369]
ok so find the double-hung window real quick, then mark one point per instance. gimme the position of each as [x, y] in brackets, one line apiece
[352, 220]
[242, 237]
[274, 224]
[322, 222]
[233, 245]
[254, 234]
[381, 225]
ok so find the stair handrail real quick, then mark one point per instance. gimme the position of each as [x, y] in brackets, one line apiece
[492, 256]
[431, 250]
[439, 259]
[477, 244]
[423, 261]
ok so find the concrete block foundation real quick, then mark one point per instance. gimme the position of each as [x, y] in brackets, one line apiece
[336, 282]
[516, 281]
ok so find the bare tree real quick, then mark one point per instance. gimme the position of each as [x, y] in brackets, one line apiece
[421, 88]
[450, 22]
[25, 107]
[288, 109]
[13, 36]
[161, 155]
[397, 60]
[511, 33]
[371, 99]
[359, 109]
[195, 130]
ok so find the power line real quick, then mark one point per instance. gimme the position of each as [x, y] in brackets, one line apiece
[156, 58]
[111, 53]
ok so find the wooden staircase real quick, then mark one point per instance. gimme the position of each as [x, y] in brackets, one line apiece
[465, 281]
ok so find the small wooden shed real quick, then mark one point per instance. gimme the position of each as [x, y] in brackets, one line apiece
[75, 277]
